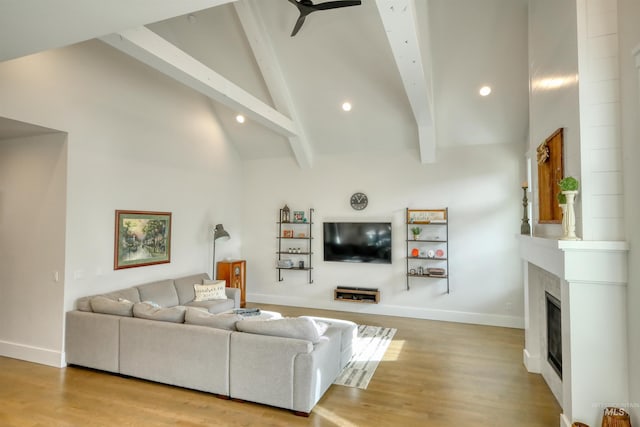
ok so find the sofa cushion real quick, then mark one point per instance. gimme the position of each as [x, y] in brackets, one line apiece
[196, 316]
[84, 304]
[130, 294]
[348, 334]
[162, 292]
[145, 310]
[184, 286]
[213, 306]
[210, 290]
[304, 328]
[102, 304]
[321, 326]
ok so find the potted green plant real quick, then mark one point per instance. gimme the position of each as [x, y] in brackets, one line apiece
[569, 184]
[568, 191]
[562, 199]
[416, 232]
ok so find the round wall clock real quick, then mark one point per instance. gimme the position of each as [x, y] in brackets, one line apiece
[359, 201]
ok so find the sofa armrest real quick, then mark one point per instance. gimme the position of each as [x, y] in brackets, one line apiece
[93, 340]
[316, 371]
[348, 334]
[234, 294]
[262, 368]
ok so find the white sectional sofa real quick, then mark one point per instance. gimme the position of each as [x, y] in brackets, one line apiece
[278, 363]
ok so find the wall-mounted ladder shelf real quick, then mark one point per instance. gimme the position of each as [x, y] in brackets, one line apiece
[428, 249]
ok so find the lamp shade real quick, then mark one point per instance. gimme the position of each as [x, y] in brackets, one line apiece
[219, 233]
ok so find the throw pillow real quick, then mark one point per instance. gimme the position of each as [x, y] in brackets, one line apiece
[145, 310]
[321, 326]
[101, 304]
[226, 321]
[210, 290]
[303, 328]
[84, 304]
[152, 304]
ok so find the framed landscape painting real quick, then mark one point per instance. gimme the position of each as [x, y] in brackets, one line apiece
[142, 238]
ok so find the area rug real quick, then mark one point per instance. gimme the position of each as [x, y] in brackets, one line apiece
[369, 348]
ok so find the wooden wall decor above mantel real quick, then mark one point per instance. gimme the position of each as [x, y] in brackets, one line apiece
[550, 172]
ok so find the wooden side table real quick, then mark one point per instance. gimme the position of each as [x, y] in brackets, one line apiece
[234, 273]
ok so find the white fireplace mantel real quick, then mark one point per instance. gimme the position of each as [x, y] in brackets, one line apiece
[593, 277]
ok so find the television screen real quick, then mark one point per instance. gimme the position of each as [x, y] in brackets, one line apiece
[357, 242]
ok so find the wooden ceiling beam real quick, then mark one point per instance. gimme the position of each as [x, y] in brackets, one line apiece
[267, 60]
[151, 49]
[399, 20]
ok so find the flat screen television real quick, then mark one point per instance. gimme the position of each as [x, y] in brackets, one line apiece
[357, 242]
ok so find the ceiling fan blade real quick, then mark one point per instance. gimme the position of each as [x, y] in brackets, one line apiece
[298, 25]
[305, 7]
[336, 4]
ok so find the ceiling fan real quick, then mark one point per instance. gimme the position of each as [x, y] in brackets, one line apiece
[305, 7]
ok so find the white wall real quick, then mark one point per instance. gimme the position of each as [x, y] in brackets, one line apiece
[480, 185]
[553, 97]
[32, 240]
[629, 16]
[136, 140]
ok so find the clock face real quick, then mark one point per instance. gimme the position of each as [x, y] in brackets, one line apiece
[359, 201]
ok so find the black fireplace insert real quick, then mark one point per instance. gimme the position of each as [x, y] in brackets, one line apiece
[554, 333]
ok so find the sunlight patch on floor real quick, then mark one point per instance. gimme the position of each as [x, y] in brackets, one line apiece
[394, 350]
[332, 417]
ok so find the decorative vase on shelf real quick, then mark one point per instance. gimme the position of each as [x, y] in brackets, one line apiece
[569, 217]
[563, 206]
[568, 191]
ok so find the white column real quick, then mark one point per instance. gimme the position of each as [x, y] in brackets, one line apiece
[595, 365]
[601, 192]
[532, 322]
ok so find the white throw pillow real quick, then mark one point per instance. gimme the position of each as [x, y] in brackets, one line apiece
[145, 310]
[102, 304]
[321, 326]
[226, 321]
[210, 290]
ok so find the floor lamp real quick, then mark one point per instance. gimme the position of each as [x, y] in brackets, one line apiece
[219, 233]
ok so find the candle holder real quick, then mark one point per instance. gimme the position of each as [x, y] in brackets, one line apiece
[525, 228]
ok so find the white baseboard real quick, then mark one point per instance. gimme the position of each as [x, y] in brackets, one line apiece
[564, 422]
[29, 353]
[532, 363]
[394, 310]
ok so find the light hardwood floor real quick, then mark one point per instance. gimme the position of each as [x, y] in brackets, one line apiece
[434, 374]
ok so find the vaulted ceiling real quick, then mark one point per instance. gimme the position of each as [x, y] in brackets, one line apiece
[410, 68]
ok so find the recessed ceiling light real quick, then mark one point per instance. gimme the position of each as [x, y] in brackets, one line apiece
[240, 118]
[485, 90]
[346, 106]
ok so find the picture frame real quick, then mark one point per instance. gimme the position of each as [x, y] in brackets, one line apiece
[426, 216]
[550, 172]
[287, 233]
[141, 238]
[298, 216]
